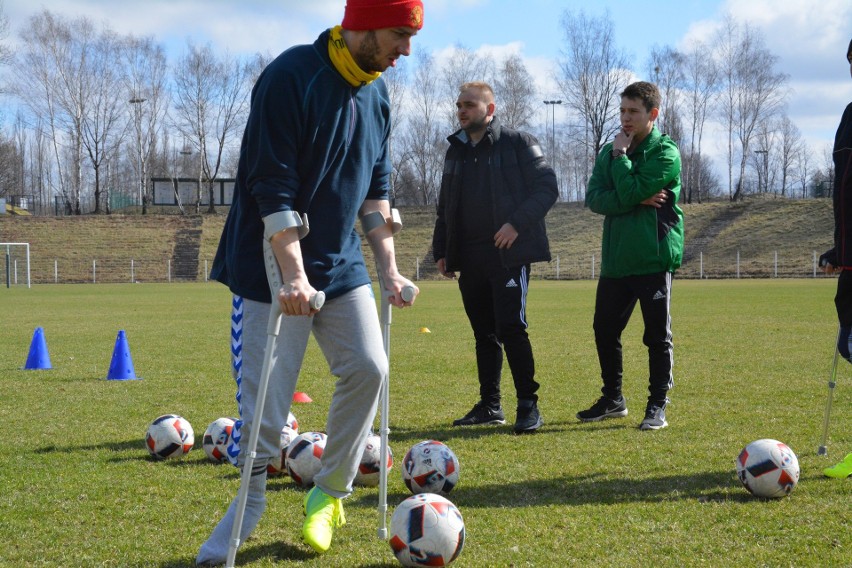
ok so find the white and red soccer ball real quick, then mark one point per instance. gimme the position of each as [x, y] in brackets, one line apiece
[368, 469]
[169, 436]
[430, 467]
[768, 468]
[304, 455]
[278, 466]
[426, 530]
[216, 439]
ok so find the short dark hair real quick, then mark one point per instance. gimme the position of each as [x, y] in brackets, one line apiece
[849, 51]
[646, 92]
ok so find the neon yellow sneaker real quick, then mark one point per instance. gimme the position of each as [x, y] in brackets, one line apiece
[841, 470]
[323, 513]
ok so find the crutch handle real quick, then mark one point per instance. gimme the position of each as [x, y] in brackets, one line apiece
[317, 301]
[407, 294]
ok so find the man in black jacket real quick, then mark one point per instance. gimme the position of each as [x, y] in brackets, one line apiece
[495, 192]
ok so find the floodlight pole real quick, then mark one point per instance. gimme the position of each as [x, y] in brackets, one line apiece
[553, 104]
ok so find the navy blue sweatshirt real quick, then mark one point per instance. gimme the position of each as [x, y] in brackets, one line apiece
[316, 145]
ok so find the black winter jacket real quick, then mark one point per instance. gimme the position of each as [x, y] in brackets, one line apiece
[523, 189]
[843, 190]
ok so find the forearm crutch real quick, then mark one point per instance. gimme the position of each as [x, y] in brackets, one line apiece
[273, 275]
[368, 223]
[832, 382]
[384, 404]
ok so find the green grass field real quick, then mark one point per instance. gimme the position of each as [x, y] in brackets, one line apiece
[752, 359]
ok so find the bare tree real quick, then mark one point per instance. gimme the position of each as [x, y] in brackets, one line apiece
[462, 66]
[211, 100]
[515, 92]
[5, 49]
[701, 75]
[753, 91]
[763, 155]
[10, 158]
[667, 70]
[592, 72]
[424, 141]
[144, 88]
[803, 169]
[51, 79]
[104, 109]
[396, 82]
[789, 149]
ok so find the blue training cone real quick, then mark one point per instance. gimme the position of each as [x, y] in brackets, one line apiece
[38, 357]
[121, 366]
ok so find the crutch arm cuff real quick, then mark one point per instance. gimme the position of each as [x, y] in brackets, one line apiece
[375, 219]
[283, 220]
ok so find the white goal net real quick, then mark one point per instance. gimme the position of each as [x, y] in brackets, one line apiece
[16, 264]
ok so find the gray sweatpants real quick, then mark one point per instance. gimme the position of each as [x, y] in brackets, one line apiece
[347, 330]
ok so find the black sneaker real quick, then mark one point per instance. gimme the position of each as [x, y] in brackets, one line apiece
[655, 416]
[481, 413]
[529, 418]
[605, 407]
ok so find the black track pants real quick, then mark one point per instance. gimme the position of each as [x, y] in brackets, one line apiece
[495, 302]
[614, 303]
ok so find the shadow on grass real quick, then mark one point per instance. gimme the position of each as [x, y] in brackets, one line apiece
[110, 446]
[140, 453]
[599, 490]
[444, 433]
[593, 489]
[275, 552]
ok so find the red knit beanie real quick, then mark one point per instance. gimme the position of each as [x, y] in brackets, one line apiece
[378, 14]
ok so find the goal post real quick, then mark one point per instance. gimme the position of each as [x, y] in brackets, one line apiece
[16, 264]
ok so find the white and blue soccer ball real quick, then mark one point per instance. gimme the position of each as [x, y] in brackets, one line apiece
[304, 457]
[169, 436]
[426, 530]
[430, 467]
[216, 439]
[768, 468]
[371, 461]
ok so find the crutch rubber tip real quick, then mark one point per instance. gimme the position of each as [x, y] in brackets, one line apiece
[317, 300]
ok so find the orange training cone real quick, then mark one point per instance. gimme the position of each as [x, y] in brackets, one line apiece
[301, 397]
[38, 357]
[121, 366]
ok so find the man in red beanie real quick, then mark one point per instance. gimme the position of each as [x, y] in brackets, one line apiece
[315, 147]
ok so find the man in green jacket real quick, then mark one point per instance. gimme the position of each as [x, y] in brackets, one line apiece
[636, 185]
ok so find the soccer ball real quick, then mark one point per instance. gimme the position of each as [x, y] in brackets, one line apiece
[216, 439]
[292, 423]
[426, 530]
[278, 466]
[303, 457]
[768, 468]
[430, 467]
[169, 436]
[288, 434]
[368, 470]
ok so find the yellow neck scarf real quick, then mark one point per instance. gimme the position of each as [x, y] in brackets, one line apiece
[344, 63]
